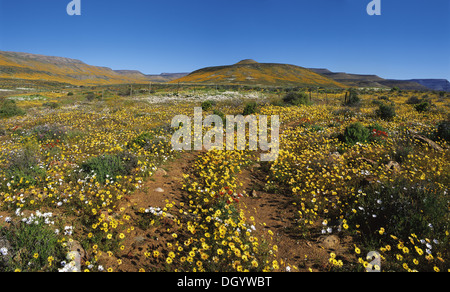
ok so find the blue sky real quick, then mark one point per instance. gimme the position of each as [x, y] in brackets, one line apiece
[411, 39]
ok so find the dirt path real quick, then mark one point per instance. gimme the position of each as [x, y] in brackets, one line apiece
[276, 212]
[164, 185]
[270, 211]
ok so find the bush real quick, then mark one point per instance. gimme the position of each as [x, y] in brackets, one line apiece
[422, 107]
[110, 166]
[401, 153]
[22, 169]
[413, 100]
[90, 96]
[52, 105]
[9, 108]
[402, 208]
[49, 132]
[351, 97]
[208, 104]
[356, 133]
[443, 130]
[296, 98]
[142, 140]
[31, 243]
[250, 108]
[385, 112]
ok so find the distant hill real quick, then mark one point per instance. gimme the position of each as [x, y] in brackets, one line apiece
[25, 66]
[250, 72]
[434, 84]
[359, 80]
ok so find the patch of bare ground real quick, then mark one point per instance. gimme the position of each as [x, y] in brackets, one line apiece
[276, 212]
[165, 185]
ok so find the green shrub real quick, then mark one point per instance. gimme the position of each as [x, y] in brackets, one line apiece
[208, 104]
[9, 108]
[422, 107]
[32, 242]
[385, 112]
[401, 153]
[296, 98]
[250, 108]
[351, 97]
[443, 130]
[90, 96]
[356, 133]
[52, 105]
[402, 208]
[22, 169]
[413, 100]
[110, 166]
[142, 140]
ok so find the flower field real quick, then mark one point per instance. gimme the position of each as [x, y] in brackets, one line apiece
[97, 178]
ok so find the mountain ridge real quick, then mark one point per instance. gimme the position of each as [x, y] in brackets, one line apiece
[36, 67]
[26, 66]
[370, 80]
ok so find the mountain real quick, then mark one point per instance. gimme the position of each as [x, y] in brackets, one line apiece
[434, 84]
[250, 72]
[359, 80]
[25, 66]
[17, 67]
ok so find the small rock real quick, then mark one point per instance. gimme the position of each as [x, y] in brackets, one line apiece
[75, 246]
[254, 194]
[331, 242]
[139, 239]
[159, 190]
[160, 171]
